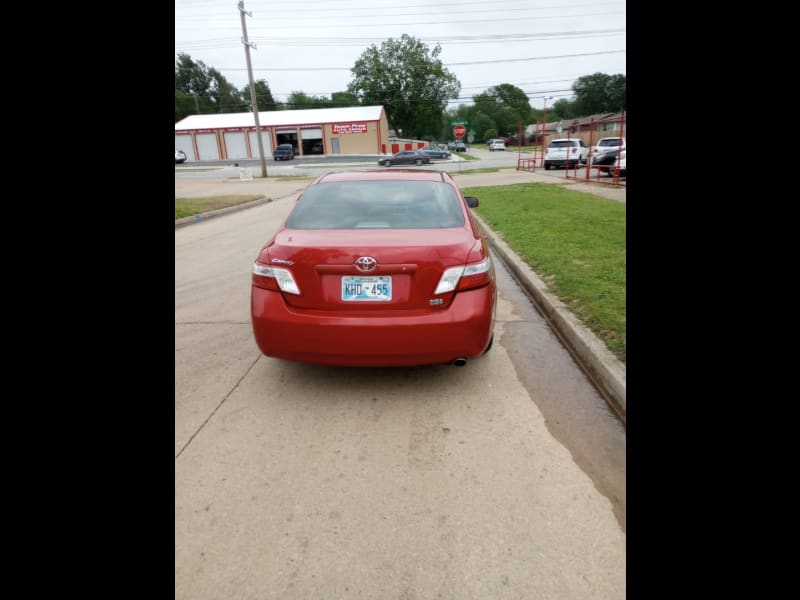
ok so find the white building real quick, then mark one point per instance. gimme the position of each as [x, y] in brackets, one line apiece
[350, 130]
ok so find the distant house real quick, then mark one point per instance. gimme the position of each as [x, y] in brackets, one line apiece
[588, 128]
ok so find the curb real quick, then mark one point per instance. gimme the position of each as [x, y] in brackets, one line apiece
[227, 210]
[605, 370]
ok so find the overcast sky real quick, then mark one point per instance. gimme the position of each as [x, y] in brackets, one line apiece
[311, 45]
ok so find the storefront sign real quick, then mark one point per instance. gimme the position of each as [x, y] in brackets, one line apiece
[340, 128]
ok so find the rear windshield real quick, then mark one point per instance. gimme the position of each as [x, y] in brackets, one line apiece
[378, 204]
[563, 143]
[611, 142]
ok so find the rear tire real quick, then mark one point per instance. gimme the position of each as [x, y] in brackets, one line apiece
[418, 162]
[388, 163]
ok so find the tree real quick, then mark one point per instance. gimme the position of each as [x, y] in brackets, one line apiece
[201, 89]
[512, 97]
[225, 96]
[483, 125]
[263, 96]
[562, 109]
[301, 100]
[599, 93]
[345, 98]
[409, 80]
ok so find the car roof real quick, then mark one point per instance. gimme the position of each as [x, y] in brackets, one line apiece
[384, 175]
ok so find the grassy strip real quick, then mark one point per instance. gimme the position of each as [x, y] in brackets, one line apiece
[574, 241]
[186, 207]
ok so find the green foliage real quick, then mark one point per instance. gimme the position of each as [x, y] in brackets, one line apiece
[263, 96]
[341, 99]
[599, 93]
[200, 89]
[575, 241]
[409, 80]
[186, 207]
[484, 126]
[506, 106]
[562, 109]
[300, 101]
[513, 98]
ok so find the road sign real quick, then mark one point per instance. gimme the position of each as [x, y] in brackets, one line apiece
[471, 138]
[459, 131]
[454, 123]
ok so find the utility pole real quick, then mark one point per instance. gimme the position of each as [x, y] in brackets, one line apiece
[247, 46]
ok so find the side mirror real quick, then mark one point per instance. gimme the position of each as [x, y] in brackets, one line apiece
[472, 201]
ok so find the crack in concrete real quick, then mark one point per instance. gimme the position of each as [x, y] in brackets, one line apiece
[213, 412]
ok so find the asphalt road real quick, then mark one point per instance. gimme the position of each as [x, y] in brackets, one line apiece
[501, 479]
[317, 165]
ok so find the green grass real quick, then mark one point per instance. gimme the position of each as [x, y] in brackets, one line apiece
[574, 241]
[482, 170]
[466, 156]
[186, 207]
[279, 177]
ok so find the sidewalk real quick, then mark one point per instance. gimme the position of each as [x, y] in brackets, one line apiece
[278, 187]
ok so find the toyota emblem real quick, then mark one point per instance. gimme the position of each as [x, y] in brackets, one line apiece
[366, 263]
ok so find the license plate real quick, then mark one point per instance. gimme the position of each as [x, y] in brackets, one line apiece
[367, 288]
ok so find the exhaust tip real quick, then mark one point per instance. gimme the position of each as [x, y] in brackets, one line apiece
[460, 362]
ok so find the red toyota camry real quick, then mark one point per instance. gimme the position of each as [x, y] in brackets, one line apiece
[376, 268]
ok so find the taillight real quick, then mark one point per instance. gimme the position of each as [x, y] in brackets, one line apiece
[274, 279]
[464, 278]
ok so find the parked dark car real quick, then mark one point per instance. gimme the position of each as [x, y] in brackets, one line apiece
[180, 156]
[284, 152]
[435, 152]
[606, 161]
[406, 157]
[460, 147]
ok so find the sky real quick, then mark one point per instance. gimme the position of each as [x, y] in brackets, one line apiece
[309, 46]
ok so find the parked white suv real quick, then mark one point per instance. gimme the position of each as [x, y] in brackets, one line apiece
[608, 143]
[566, 152]
[495, 144]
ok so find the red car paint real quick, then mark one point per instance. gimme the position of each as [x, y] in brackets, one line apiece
[376, 215]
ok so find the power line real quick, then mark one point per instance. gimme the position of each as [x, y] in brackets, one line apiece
[458, 64]
[449, 22]
[289, 17]
[447, 41]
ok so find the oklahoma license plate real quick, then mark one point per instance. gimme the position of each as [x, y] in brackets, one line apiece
[367, 288]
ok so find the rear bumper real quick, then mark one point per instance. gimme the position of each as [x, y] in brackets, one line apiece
[560, 162]
[385, 338]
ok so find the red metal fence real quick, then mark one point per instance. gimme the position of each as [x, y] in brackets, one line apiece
[586, 173]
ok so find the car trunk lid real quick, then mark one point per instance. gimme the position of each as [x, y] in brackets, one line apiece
[404, 275]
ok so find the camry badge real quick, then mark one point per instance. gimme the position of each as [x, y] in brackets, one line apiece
[280, 261]
[366, 263]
